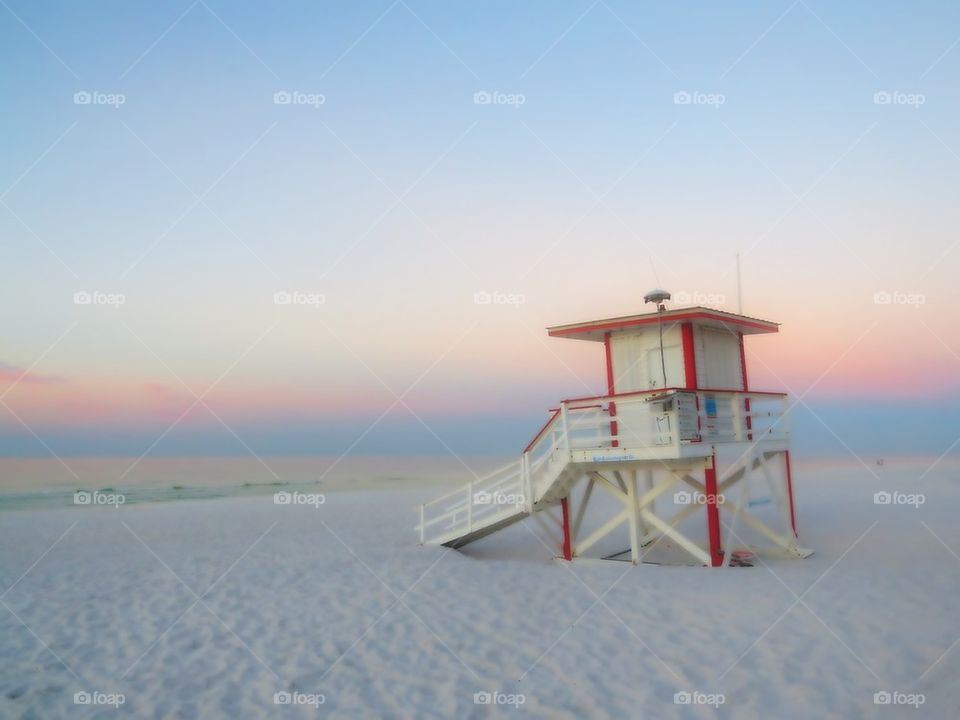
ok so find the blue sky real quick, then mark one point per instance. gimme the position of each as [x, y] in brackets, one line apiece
[399, 196]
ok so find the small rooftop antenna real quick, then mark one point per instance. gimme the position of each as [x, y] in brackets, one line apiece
[739, 294]
[659, 297]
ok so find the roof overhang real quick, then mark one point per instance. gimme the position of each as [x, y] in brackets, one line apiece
[707, 317]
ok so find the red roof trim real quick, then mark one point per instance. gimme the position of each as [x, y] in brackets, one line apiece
[669, 390]
[648, 320]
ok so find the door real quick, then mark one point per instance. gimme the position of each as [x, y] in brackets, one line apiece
[672, 360]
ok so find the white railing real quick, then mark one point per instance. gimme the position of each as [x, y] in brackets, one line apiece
[659, 423]
[477, 504]
[663, 421]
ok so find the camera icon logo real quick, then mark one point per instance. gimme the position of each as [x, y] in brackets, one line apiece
[81, 497]
[282, 97]
[482, 698]
[482, 498]
[282, 698]
[882, 498]
[683, 497]
[681, 97]
[482, 97]
[282, 498]
[682, 698]
[81, 698]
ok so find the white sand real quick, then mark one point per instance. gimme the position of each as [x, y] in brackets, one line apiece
[283, 605]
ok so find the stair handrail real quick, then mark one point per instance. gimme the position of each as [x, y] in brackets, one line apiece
[481, 479]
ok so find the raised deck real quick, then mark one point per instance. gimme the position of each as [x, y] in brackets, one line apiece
[671, 428]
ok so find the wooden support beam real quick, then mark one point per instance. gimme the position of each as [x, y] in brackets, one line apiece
[647, 484]
[793, 515]
[619, 478]
[678, 537]
[578, 518]
[650, 495]
[605, 484]
[633, 518]
[602, 531]
[538, 518]
[637, 495]
[784, 541]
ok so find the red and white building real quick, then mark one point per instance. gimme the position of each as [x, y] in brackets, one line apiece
[694, 463]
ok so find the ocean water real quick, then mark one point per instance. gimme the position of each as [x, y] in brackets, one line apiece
[29, 483]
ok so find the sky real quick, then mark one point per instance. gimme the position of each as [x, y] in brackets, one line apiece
[168, 169]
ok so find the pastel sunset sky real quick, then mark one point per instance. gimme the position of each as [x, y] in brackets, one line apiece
[182, 163]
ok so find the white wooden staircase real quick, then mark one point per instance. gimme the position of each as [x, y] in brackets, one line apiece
[591, 435]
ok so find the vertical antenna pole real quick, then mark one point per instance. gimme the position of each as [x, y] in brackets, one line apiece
[739, 293]
[663, 365]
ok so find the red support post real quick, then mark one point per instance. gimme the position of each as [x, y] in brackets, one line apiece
[689, 356]
[567, 547]
[746, 401]
[609, 358]
[611, 390]
[713, 513]
[743, 362]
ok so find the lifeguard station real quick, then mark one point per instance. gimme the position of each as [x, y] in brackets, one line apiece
[678, 435]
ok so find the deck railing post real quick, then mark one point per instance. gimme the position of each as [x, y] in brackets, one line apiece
[470, 506]
[527, 481]
[563, 424]
[676, 427]
[738, 417]
[785, 410]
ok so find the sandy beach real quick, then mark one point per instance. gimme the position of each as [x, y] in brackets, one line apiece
[210, 608]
